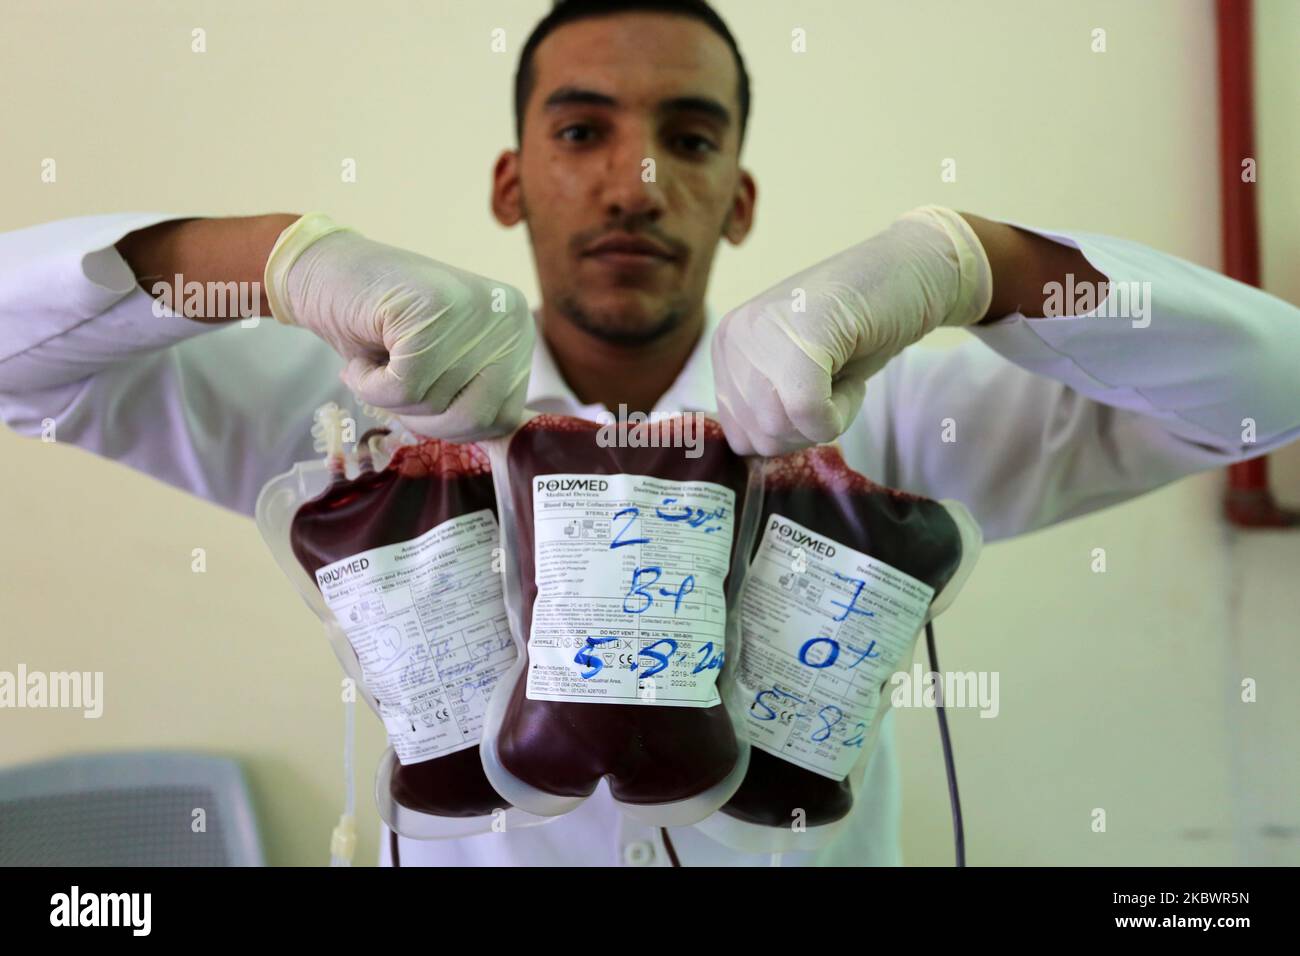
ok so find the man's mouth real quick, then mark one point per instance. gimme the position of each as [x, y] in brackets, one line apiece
[625, 250]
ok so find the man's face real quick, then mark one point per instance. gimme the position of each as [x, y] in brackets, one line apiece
[630, 143]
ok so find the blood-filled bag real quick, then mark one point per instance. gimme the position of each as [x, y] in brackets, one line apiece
[623, 546]
[843, 575]
[402, 563]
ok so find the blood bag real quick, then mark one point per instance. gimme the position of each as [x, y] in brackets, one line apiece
[843, 575]
[623, 557]
[402, 563]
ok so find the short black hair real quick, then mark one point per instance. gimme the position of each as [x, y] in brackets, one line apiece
[568, 11]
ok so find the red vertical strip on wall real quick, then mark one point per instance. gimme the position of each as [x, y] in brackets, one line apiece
[1248, 501]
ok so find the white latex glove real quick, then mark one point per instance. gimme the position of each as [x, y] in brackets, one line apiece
[446, 351]
[788, 379]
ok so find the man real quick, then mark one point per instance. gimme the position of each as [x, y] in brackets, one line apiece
[630, 118]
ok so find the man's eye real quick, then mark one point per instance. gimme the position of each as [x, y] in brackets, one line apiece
[581, 128]
[696, 144]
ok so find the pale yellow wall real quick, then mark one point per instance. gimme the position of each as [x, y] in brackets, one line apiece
[96, 572]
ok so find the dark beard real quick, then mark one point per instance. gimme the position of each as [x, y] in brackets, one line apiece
[669, 320]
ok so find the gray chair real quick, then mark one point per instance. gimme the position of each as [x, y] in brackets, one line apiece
[127, 809]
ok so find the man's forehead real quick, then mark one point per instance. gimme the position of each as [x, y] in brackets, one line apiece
[624, 52]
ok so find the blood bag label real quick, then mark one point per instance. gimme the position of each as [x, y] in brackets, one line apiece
[630, 603]
[824, 626]
[427, 622]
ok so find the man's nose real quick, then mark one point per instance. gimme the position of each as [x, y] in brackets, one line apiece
[631, 186]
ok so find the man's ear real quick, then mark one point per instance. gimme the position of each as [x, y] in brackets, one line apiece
[507, 199]
[740, 219]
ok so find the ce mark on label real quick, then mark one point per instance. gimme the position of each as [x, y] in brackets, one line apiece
[771, 705]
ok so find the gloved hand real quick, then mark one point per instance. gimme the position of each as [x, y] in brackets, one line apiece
[787, 379]
[446, 351]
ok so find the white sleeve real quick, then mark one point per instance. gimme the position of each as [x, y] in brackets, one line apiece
[1043, 419]
[213, 410]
